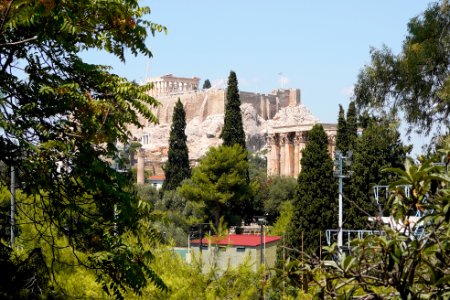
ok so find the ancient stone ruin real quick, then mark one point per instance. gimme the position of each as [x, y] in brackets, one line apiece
[275, 124]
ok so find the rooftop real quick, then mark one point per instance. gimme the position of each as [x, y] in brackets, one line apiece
[157, 177]
[249, 240]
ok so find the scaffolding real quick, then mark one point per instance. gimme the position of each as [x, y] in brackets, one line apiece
[414, 229]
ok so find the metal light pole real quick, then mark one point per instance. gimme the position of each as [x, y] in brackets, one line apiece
[193, 231]
[338, 161]
[340, 206]
[261, 221]
[261, 246]
[13, 205]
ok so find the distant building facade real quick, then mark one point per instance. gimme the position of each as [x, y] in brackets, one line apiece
[287, 136]
[234, 250]
[156, 181]
[168, 84]
[284, 148]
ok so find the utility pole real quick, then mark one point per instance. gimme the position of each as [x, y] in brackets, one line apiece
[261, 220]
[13, 205]
[339, 158]
[261, 261]
[193, 231]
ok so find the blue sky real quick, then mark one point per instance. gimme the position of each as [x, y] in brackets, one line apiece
[317, 46]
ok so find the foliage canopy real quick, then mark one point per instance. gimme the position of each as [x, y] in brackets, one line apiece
[61, 119]
[416, 81]
[220, 183]
[379, 147]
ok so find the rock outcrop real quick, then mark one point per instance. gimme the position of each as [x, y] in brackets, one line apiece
[205, 118]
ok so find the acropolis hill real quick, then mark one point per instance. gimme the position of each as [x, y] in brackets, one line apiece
[276, 122]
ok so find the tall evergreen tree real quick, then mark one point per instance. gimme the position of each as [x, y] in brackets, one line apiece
[352, 125]
[233, 133]
[346, 138]
[206, 84]
[379, 147]
[177, 167]
[315, 205]
[341, 135]
[233, 128]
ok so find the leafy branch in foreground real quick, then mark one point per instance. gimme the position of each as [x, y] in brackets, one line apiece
[410, 260]
[61, 119]
[416, 81]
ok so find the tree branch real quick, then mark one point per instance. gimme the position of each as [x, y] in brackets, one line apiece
[20, 42]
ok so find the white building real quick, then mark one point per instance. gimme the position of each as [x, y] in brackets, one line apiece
[235, 249]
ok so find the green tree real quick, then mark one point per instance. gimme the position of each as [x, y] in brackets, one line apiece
[175, 215]
[315, 205]
[378, 147]
[220, 183]
[206, 84]
[280, 189]
[346, 138]
[417, 80]
[257, 172]
[409, 261]
[147, 193]
[233, 128]
[190, 282]
[285, 217]
[61, 119]
[352, 125]
[341, 135]
[177, 167]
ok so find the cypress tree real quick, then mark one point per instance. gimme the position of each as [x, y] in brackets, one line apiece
[233, 128]
[315, 205]
[352, 125]
[177, 167]
[341, 135]
[379, 147]
[206, 84]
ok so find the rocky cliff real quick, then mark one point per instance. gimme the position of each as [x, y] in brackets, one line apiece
[205, 117]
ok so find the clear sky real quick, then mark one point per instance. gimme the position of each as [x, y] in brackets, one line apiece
[316, 46]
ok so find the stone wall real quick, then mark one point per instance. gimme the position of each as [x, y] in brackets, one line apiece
[209, 102]
[196, 104]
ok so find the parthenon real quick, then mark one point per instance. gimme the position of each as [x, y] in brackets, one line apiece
[170, 84]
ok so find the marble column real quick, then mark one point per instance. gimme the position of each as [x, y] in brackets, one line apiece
[140, 167]
[290, 154]
[297, 140]
[283, 143]
[303, 138]
[331, 144]
[270, 155]
[273, 161]
[277, 155]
